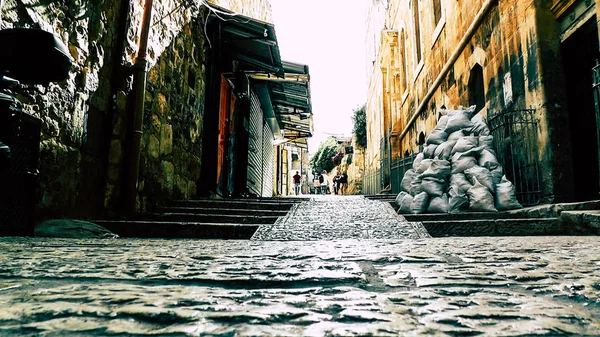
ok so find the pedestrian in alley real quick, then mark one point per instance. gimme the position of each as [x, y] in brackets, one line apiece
[297, 180]
[324, 180]
[343, 183]
[336, 185]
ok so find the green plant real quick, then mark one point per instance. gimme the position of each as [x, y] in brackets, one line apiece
[322, 159]
[359, 119]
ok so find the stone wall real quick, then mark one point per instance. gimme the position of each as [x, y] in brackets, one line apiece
[85, 117]
[505, 45]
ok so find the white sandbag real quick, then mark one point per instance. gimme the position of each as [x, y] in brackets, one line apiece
[456, 135]
[434, 187]
[436, 137]
[419, 203]
[444, 150]
[487, 142]
[418, 160]
[488, 160]
[482, 175]
[506, 197]
[480, 198]
[407, 180]
[497, 174]
[424, 165]
[439, 169]
[429, 150]
[465, 144]
[469, 111]
[457, 200]
[462, 162]
[404, 201]
[438, 204]
[441, 123]
[479, 127]
[460, 180]
[458, 121]
[461, 109]
[415, 186]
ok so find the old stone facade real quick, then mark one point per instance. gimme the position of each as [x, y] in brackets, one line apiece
[515, 60]
[85, 118]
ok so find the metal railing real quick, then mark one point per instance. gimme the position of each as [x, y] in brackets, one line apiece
[399, 167]
[515, 143]
[372, 182]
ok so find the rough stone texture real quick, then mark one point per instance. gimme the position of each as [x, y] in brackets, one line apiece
[454, 286]
[85, 117]
[519, 40]
[70, 228]
[326, 217]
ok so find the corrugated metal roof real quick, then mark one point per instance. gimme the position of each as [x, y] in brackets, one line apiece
[250, 41]
[290, 100]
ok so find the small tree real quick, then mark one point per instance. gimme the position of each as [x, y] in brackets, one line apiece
[360, 126]
[322, 159]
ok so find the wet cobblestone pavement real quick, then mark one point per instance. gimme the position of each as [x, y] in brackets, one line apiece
[328, 217]
[509, 286]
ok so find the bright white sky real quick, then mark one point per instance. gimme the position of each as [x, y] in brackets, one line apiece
[329, 37]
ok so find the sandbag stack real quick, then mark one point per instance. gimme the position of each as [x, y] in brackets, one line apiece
[457, 171]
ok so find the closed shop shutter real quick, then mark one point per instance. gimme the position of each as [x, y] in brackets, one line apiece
[268, 161]
[255, 145]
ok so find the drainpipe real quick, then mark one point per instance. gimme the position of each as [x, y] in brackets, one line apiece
[132, 168]
[487, 6]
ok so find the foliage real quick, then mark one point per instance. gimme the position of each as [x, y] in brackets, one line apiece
[360, 126]
[337, 159]
[322, 159]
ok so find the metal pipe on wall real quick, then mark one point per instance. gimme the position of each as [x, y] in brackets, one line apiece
[130, 182]
[487, 6]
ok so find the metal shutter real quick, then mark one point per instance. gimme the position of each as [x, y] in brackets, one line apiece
[255, 144]
[268, 161]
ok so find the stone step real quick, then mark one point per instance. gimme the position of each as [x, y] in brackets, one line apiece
[205, 218]
[497, 227]
[585, 222]
[463, 216]
[235, 204]
[390, 197]
[179, 229]
[224, 211]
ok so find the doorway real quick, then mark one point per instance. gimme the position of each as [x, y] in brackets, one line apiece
[579, 54]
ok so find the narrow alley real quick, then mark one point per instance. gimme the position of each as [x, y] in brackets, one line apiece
[333, 266]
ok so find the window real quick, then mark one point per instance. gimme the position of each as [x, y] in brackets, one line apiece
[403, 61]
[415, 9]
[437, 11]
[476, 89]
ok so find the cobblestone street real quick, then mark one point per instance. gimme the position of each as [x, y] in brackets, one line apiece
[328, 217]
[508, 286]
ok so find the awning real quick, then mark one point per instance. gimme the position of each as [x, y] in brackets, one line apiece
[249, 41]
[290, 100]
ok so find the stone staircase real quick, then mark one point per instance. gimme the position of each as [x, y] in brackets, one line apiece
[582, 218]
[235, 218]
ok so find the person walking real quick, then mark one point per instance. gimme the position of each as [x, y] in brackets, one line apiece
[297, 180]
[324, 179]
[343, 183]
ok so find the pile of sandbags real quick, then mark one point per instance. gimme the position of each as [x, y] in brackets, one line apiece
[457, 171]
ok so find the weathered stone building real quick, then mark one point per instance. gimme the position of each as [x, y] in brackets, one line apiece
[209, 66]
[526, 65]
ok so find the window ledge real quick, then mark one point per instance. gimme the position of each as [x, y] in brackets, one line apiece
[437, 32]
[418, 70]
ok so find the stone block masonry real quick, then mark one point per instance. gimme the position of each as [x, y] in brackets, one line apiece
[85, 118]
[452, 286]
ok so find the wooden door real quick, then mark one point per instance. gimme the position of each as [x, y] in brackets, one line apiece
[224, 110]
